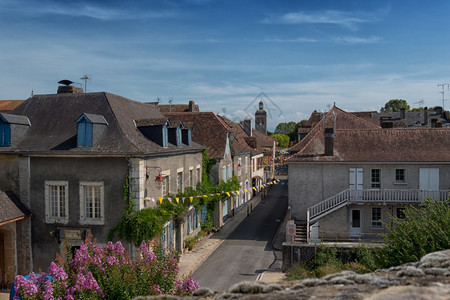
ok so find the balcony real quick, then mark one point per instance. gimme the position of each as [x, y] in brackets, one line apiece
[377, 197]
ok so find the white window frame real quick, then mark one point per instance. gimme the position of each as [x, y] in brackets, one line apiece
[246, 165]
[376, 223]
[404, 176]
[83, 218]
[48, 205]
[199, 174]
[375, 184]
[180, 185]
[191, 176]
[239, 168]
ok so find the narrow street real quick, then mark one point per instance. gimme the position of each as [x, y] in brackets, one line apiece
[247, 252]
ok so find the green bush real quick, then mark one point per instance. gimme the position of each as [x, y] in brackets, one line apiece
[424, 229]
[366, 256]
[190, 241]
[299, 271]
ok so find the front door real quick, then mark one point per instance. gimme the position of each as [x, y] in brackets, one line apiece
[355, 183]
[355, 223]
[429, 182]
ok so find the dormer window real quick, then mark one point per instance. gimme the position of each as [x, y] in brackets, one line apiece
[155, 130]
[12, 129]
[186, 134]
[5, 133]
[90, 128]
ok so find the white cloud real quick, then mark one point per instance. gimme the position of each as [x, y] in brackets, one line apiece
[357, 40]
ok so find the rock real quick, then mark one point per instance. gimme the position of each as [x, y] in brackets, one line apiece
[340, 280]
[309, 282]
[410, 271]
[437, 271]
[412, 292]
[436, 260]
[247, 287]
[203, 292]
[340, 274]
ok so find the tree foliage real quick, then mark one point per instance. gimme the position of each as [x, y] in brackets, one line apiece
[282, 140]
[424, 229]
[290, 129]
[394, 105]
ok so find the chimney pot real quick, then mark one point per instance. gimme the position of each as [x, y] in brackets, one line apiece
[402, 113]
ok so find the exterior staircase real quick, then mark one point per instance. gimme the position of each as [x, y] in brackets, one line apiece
[300, 233]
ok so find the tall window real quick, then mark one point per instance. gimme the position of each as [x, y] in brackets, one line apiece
[376, 183]
[92, 202]
[56, 202]
[180, 181]
[165, 185]
[400, 176]
[191, 177]
[246, 165]
[239, 167]
[199, 175]
[376, 217]
[401, 212]
[224, 174]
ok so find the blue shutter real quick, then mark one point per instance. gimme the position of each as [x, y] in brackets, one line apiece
[165, 136]
[189, 225]
[204, 214]
[5, 134]
[171, 235]
[189, 138]
[84, 136]
[179, 143]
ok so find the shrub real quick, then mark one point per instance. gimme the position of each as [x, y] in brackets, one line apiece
[366, 256]
[424, 229]
[298, 271]
[106, 272]
[190, 241]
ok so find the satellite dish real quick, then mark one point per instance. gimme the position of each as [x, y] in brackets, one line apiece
[65, 82]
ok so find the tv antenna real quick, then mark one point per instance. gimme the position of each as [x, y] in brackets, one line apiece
[443, 92]
[419, 102]
[85, 78]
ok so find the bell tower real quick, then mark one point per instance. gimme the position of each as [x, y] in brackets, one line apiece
[261, 119]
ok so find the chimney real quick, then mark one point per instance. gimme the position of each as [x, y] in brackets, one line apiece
[329, 142]
[425, 116]
[191, 106]
[247, 126]
[438, 110]
[402, 113]
[66, 87]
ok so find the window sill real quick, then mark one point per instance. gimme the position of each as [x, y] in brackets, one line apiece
[400, 183]
[57, 221]
[92, 222]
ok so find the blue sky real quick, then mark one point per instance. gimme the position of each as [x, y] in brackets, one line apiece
[304, 55]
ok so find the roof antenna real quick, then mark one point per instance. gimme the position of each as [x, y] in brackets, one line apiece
[32, 93]
[85, 78]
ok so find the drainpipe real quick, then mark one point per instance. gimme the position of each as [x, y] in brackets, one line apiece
[308, 238]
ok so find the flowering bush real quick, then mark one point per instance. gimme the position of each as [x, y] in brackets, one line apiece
[106, 272]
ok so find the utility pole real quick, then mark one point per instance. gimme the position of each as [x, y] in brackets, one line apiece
[443, 91]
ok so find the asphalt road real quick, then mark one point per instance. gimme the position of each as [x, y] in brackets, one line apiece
[247, 251]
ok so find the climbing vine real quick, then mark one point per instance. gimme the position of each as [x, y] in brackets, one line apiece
[148, 223]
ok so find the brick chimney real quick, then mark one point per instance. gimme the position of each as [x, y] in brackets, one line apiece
[191, 106]
[329, 142]
[402, 113]
[247, 126]
[425, 116]
[438, 110]
[66, 87]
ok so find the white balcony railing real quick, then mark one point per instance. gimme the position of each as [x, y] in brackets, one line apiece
[372, 196]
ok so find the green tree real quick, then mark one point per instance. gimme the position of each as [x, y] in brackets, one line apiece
[282, 140]
[424, 229]
[290, 129]
[394, 105]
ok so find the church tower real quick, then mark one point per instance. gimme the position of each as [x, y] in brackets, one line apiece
[261, 119]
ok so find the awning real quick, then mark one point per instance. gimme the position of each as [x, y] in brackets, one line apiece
[11, 209]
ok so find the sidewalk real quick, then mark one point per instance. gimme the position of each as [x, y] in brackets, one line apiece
[190, 261]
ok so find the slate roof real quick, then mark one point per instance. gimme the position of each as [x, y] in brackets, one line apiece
[53, 127]
[11, 209]
[412, 118]
[16, 119]
[344, 120]
[380, 145]
[262, 140]
[8, 105]
[208, 129]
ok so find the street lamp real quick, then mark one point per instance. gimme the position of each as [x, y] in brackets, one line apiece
[159, 180]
